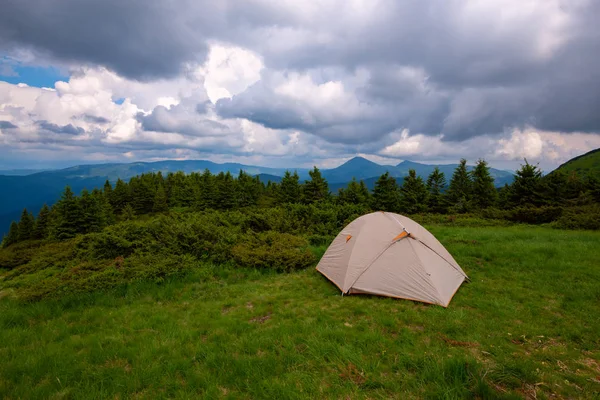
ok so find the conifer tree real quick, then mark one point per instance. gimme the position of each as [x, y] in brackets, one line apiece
[247, 190]
[160, 200]
[413, 193]
[225, 191]
[68, 215]
[207, 191]
[460, 190]
[12, 236]
[42, 223]
[142, 193]
[289, 188]
[107, 189]
[527, 188]
[26, 225]
[354, 193]
[316, 188]
[120, 196]
[436, 182]
[386, 196]
[484, 191]
[128, 212]
[91, 213]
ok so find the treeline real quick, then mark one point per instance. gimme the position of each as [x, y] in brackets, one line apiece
[530, 198]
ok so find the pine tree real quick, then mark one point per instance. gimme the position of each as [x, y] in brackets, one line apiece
[42, 223]
[128, 213]
[12, 236]
[26, 225]
[120, 196]
[316, 189]
[226, 188]
[107, 189]
[91, 213]
[160, 200]
[207, 191]
[247, 189]
[386, 196]
[354, 193]
[289, 188]
[556, 187]
[436, 182]
[142, 193]
[68, 215]
[484, 191]
[413, 193]
[527, 188]
[460, 190]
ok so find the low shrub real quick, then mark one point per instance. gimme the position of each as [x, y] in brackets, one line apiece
[579, 218]
[274, 250]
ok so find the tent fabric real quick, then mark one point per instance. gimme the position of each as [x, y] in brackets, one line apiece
[391, 255]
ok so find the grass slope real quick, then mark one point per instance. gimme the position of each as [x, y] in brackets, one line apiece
[526, 326]
[586, 164]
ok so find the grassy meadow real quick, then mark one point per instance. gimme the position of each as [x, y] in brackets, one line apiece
[526, 326]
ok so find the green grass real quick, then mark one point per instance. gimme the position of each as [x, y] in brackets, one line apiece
[526, 326]
[585, 164]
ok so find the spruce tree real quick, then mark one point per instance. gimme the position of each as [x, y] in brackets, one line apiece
[120, 196]
[68, 215]
[247, 189]
[160, 200]
[128, 212]
[207, 191]
[42, 223]
[142, 193]
[413, 193]
[484, 191]
[226, 188]
[316, 188]
[289, 188]
[354, 193]
[461, 188]
[436, 183]
[107, 189]
[12, 236]
[386, 196]
[26, 225]
[91, 212]
[527, 188]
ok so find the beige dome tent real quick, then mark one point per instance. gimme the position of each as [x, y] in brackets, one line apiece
[388, 254]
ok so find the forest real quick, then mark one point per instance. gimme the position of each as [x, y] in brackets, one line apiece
[565, 199]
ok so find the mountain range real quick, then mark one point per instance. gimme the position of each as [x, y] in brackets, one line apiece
[32, 190]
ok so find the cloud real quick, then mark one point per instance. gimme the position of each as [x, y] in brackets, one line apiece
[7, 125]
[319, 80]
[68, 129]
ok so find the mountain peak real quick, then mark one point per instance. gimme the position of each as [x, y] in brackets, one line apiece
[358, 161]
[408, 163]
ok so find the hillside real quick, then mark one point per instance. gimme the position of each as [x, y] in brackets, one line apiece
[163, 319]
[585, 164]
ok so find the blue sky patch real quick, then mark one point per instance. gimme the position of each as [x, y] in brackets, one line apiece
[14, 73]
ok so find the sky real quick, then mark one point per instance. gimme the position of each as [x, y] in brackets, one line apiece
[298, 83]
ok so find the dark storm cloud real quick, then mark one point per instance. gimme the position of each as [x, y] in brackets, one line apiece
[7, 125]
[136, 38]
[64, 129]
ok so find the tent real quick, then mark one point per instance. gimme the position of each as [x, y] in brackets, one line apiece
[391, 255]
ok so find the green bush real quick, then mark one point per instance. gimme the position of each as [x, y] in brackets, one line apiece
[579, 218]
[535, 215]
[273, 250]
